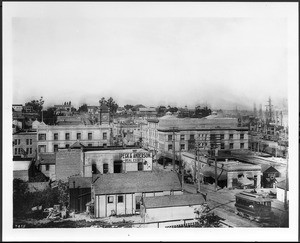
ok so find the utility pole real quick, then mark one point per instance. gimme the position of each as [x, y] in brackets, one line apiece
[156, 150]
[173, 146]
[286, 181]
[182, 170]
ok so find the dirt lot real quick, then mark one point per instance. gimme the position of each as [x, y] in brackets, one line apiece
[79, 221]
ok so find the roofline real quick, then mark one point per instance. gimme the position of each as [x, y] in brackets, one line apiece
[173, 206]
[116, 193]
[202, 129]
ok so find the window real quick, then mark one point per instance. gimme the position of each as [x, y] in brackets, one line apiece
[19, 141]
[90, 136]
[47, 167]
[192, 137]
[120, 199]
[105, 168]
[242, 145]
[67, 136]
[27, 141]
[55, 147]
[16, 142]
[42, 148]
[42, 136]
[19, 150]
[170, 147]
[30, 142]
[110, 199]
[221, 136]
[140, 166]
[230, 136]
[104, 135]
[231, 145]
[67, 145]
[78, 136]
[212, 136]
[16, 150]
[222, 146]
[30, 150]
[242, 136]
[182, 146]
[55, 136]
[181, 137]
[169, 137]
[27, 150]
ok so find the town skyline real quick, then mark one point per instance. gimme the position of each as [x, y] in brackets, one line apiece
[148, 59]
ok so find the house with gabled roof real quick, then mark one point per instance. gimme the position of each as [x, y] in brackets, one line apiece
[46, 164]
[119, 194]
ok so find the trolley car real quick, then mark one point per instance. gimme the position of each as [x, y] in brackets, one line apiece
[254, 206]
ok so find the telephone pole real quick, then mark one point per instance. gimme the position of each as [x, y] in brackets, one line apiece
[173, 146]
[286, 181]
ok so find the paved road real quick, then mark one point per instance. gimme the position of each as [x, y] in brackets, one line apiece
[222, 204]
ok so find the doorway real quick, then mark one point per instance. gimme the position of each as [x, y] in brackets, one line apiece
[118, 166]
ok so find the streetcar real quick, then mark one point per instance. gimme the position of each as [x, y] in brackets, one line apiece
[254, 206]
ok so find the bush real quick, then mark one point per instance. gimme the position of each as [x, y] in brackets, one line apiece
[23, 200]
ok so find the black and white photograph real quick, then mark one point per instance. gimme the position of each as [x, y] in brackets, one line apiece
[125, 121]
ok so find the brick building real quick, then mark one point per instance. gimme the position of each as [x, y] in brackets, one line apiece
[25, 143]
[68, 164]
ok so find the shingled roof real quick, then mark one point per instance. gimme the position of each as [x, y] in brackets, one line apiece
[82, 182]
[173, 201]
[137, 181]
[47, 158]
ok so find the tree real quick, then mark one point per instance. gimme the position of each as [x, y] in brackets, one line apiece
[83, 108]
[161, 109]
[49, 116]
[202, 112]
[63, 195]
[172, 109]
[102, 101]
[127, 107]
[110, 103]
[37, 105]
[113, 106]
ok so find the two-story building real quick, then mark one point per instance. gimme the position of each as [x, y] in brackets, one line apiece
[25, 143]
[116, 160]
[52, 137]
[188, 133]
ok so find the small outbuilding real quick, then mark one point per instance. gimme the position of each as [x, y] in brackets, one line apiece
[22, 168]
[122, 193]
[280, 188]
[173, 207]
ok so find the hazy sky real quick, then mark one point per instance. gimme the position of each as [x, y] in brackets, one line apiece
[163, 60]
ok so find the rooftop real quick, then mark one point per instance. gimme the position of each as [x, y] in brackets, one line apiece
[22, 165]
[47, 158]
[83, 182]
[173, 201]
[137, 181]
[282, 185]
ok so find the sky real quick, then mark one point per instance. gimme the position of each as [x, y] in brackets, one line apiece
[152, 59]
